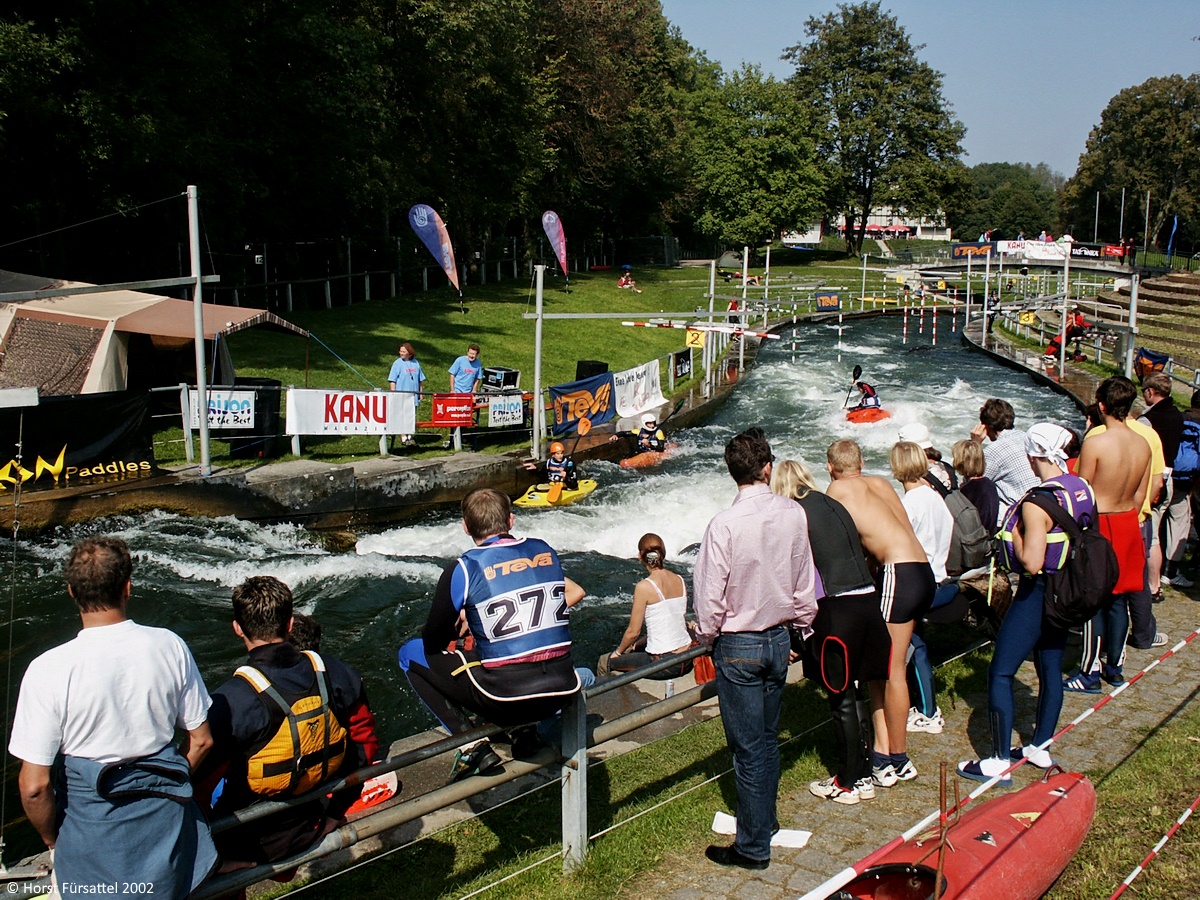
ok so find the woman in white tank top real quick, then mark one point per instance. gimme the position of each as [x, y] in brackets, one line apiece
[660, 603]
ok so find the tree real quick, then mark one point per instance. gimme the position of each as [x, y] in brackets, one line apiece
[755, 165]
[1148, 139]
[883, 126]
[1008, 199]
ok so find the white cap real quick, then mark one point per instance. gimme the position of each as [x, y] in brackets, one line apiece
[916, 433]
[1046, 440]
[649, 419]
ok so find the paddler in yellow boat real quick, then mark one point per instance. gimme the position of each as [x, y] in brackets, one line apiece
[560, 471]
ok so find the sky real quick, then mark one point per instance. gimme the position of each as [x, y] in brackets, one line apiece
[1027, 79]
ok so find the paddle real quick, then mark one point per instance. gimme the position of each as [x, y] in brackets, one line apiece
[853, 378]
[582, 427]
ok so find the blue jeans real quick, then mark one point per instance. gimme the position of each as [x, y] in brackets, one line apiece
[751, 672]
[1023, 632]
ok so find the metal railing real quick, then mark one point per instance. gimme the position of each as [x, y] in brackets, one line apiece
[571, 762]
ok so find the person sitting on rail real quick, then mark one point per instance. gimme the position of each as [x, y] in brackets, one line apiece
[510, 596]
[1033, 546]
[666, 628]
[559, 467]
[868, 396]
[285, 723]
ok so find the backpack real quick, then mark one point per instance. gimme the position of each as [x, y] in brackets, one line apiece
[1187, 460]
[1084, 585]
[970, 543]
[309, 745]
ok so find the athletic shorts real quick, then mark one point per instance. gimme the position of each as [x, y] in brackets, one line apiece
[849, 642]
[905, 591]
[1124, 532]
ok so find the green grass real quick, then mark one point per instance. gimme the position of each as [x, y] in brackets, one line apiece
[364, 337]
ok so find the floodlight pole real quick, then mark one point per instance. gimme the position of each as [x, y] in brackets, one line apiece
[198, 319]
[539, 412]
[1062, 349]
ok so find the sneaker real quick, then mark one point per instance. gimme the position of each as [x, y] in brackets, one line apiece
[1160, 640]
[1178, 580]
[928, 724]
[1082, 684]
[865, 788]
[1039, 758]
[831, 790]
[526, 741]
[883, 776]
[985, 770]
[906, 772]
[478, 759]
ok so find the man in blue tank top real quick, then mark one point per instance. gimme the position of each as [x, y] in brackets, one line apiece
[496, 642]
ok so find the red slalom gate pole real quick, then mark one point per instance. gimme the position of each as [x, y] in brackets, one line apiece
[844, 877]
[1138, 869]
[935, 321]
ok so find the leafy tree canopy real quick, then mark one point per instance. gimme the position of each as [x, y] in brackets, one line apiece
[883, 125]
[1009, 199]
[1148, 139]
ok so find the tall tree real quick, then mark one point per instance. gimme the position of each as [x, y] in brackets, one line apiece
[755, 164]
[1008, 199]
[884, 126]
[1148, 139]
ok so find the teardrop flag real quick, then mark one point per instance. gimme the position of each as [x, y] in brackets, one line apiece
[430, 228]
[552, 225]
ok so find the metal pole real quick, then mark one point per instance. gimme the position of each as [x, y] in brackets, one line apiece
[1062, 349]
[967, 320]
[987, 275]
[767, 277]
[1096, 221]
[1146, 236]
[538, 412]
[708, 349]
[1133, 304]
[198, 321]
[745, 271]
[863, 295]
[1121, 226]
[574, 783]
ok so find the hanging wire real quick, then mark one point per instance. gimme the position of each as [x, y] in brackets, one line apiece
[12, 606]
[121, 212]
[373, 385]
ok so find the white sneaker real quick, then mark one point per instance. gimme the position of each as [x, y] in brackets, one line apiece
[883, 776]
[830, 790]
[1039, 758]
[865, 788]
[906, 772]
[928, 724]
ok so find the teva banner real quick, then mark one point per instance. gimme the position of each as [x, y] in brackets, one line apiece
[976, 248]
[81, 439]
[506, 410]
[430, 228]
[226, 409]
[349, 412]
[552, 225]
[828, 301]
[589, 398]
[638, 389]
[453, 410]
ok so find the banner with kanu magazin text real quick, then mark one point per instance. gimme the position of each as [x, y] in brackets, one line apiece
[350, 412]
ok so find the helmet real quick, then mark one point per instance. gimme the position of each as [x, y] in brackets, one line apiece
[649, 419]
[557, 447]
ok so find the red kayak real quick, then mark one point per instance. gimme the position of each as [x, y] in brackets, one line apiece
[647, 458]
[1013, 847]
[869, 414]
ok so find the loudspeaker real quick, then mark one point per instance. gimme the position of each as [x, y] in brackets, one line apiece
[588, 368]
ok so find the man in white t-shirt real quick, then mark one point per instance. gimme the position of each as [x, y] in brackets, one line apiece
[116, 693]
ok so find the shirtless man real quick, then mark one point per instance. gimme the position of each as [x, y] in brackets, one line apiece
[1116, 463]
[906, 587]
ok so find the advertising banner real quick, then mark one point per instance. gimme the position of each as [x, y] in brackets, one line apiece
[681, 363]
[453, 410]
[828, 301]
[552, 225]
[506, 410]
[1034, 251]
[638, 389]
[226, 409]
[978, 249]
[81, 439]
[349, 412]
[430, 228]
[589, 398]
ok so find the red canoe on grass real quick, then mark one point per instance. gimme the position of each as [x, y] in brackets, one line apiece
[1012, 847]
[647, 458]
[869, 414]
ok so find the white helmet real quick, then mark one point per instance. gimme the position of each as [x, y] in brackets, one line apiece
[649, 419]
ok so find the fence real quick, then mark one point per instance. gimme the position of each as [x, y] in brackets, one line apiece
[571, 762]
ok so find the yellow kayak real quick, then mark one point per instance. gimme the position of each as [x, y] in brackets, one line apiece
[537, 497]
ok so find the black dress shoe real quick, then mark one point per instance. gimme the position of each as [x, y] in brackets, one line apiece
[727, 856]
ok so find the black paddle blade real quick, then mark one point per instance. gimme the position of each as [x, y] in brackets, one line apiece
[857, 372]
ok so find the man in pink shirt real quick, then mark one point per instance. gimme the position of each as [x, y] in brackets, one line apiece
[753, 586]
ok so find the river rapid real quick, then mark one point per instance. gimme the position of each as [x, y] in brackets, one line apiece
[369, 601]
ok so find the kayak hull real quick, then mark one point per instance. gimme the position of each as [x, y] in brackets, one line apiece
[537, 497]
[1014, 847]
[870, 414]
[647, 459]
